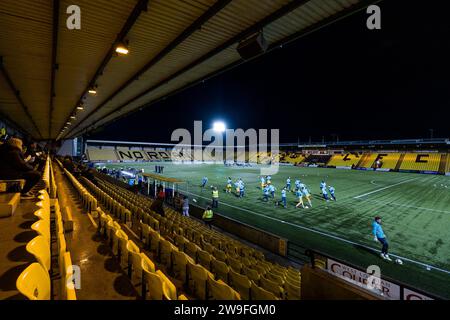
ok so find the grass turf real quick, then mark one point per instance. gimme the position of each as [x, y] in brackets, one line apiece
[415, 210]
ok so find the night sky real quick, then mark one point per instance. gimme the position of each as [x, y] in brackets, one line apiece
[343, 79]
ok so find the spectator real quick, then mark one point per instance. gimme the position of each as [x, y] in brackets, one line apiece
[13, 166]
[185, 206]
[158, 206]
[161, 193]
[208, 216]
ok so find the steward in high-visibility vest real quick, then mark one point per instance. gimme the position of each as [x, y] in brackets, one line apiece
[215, 198]
[208, 216]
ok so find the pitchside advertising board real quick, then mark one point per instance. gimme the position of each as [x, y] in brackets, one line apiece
[389, 290]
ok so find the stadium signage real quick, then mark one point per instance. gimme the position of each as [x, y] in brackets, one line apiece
[388, 289]
[412, 295]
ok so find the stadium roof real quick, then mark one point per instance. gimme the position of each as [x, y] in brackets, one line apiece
[162, 178]
[47, 69]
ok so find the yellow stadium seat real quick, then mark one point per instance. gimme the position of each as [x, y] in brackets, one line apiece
[182, 297]
[220, 269]
[190, 248]
[131, 258]
[240, 283]
[219, 290]
[271, 275]
[179, 267]
[147, 266]
[260, 268]
[155, 286]
[271, 286]
[104, 220]
[120, 240]
[204, 259]
[165, 254]
[292, 291]
[42, 214]
[42, 227]
[154, 242]
[251, 274]
[220, 255]
[234, 264]
[111, 229]
[145, 233]
[197, 280]
[208, 247]
[168, 288]
[294, 279]
[188, 233]
[34, 283]
[180, 242]
[258, 293]
[40, 249]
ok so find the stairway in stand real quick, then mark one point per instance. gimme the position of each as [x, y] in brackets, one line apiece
[443, 163]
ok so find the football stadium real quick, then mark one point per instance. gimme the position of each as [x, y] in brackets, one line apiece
[223, 150]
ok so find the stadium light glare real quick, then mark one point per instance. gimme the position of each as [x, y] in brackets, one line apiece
[121, 48]
[92, 90]
[219, 126]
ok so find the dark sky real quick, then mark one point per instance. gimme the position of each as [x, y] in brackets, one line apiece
[343, 79]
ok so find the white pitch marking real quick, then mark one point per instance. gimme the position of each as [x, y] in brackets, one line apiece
[406, 206]
[326, 234]
[384, 188]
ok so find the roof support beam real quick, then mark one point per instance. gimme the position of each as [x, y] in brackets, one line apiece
[54, 65]
[325, 22]
[140, 6]
[17, 95]
[240, 36]
[196, 25]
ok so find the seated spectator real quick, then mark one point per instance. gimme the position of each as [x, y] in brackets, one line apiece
[34, 156]
[13, 166]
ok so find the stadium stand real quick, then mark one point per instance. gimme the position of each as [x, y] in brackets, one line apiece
[101, 154]
[447, 167]
[207, 253]
[318, 159]
[388, 160]
[421, 162]
[345, 160]
[367, 160]
[292, 157]
[35, 281]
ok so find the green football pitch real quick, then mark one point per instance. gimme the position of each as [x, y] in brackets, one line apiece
[415, 209]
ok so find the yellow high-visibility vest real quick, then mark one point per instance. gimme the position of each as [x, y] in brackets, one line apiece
[215, 194]
[208, 214]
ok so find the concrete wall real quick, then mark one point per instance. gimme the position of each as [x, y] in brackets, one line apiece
[318, 284]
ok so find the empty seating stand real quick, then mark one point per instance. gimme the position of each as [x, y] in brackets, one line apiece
[35, 282]
[421, 162]
[208, 264]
